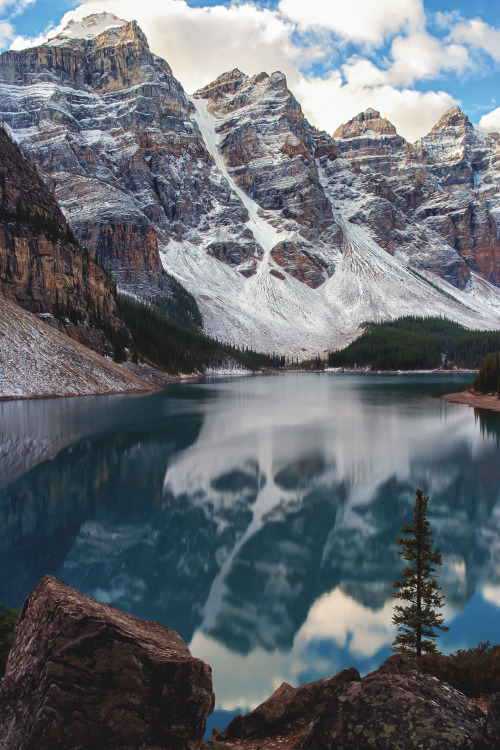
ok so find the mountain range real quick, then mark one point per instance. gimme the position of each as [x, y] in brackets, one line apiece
[288, 237]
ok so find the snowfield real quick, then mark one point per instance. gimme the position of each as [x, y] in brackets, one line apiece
[37, 361]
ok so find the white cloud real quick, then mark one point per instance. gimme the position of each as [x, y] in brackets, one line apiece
[491, 594]
[479, 35]
[6, 33]
[343, 619]
[490, 123]
[23, 42]
[6, 5]
[368, 21]
[420, 56]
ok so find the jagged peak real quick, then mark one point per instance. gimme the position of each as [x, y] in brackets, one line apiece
[226, 83]
[452, 118]
[104, 25]
[365, 122]
[231, 81]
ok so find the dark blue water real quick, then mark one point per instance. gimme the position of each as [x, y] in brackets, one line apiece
[256, 516]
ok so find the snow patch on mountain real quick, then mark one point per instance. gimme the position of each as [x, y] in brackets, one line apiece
[89, 28]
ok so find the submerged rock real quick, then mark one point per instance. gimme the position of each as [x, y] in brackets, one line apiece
[82, 674]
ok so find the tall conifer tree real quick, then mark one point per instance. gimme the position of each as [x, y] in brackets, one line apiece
[418, 619]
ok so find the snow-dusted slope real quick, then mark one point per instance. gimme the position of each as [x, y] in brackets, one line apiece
[37, 361]
[270, 310]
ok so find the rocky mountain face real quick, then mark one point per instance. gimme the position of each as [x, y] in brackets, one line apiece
[110, 128]
[267, 146]
[432, 201]
[287, 237]
[42, 267]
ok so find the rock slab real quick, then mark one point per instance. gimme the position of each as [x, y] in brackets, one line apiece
[82, 674]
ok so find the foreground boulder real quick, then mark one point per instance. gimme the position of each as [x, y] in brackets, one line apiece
[395, 707]
[84, 675]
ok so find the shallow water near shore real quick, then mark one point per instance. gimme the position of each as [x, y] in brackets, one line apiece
[256, 516]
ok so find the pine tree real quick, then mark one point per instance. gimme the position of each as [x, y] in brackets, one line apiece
[418, 619]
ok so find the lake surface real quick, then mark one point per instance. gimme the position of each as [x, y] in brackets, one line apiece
[256, 516]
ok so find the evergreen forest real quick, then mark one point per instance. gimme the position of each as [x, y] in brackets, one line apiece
[488, 378]
[176, 347]
[413, 343]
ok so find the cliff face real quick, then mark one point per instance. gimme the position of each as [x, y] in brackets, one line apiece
[42, 268]
[465, 165]
[267, 146]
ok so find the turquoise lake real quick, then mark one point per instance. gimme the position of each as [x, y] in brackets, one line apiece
[256, 516]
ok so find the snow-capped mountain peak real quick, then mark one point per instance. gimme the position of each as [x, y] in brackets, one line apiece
[90, 27]
[287, 237]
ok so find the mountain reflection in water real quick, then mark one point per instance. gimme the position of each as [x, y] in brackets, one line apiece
[258, 517]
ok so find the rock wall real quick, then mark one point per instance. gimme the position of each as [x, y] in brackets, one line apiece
[42, 268]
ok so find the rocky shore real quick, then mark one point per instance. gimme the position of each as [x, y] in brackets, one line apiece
[477, 400]
[84, 675]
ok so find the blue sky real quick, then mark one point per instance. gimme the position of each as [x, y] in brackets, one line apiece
[411, 59]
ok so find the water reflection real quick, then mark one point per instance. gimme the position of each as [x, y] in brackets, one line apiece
[258, 517]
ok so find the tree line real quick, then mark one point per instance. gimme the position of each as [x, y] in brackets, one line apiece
[487, 379]
[175, 347]
[416, 343]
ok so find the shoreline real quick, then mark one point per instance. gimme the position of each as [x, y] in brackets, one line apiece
[484, 401]
[156, 380]
[125, 392]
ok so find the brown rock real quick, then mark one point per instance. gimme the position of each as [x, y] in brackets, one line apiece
[370, 120]
[300, 261]
[399, 707]
[395, 707]
[41, 266]
[84, 675]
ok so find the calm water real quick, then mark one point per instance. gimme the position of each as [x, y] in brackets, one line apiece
[256, 516]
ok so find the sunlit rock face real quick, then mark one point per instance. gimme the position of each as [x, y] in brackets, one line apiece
[268, 146]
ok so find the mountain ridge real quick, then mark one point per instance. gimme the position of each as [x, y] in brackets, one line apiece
[362, 224]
